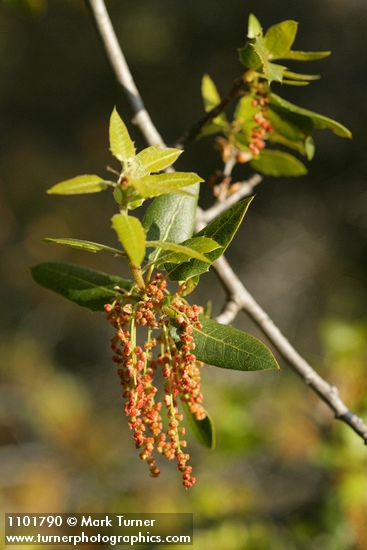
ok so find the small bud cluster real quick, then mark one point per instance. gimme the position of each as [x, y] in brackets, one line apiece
[263, 126]
[138, 368]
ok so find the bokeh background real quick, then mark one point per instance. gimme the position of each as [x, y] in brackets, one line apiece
[284, 475]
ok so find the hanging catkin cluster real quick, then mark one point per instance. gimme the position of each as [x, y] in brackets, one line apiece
[161, 357]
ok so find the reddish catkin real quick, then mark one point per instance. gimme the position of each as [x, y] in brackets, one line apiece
[138, 368]
[263, 126]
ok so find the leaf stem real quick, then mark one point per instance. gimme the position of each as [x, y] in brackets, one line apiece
[138, 277]
[149, 274]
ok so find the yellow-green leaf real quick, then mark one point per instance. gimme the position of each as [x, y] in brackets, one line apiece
[121, 145]
[279, 38]
[200, 244]
[305, 56]
[163, 184]
[300, 76]
[87, 246]
[209, 92]
[254, 26]
[79, 185]
[179, 249]
[245, 110]
[131, 235]
[211, 99]
[154, 159]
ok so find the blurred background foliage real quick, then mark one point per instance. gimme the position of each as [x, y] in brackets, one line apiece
[284, 475]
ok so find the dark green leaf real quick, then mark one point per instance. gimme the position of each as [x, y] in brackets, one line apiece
[222, 229]
[204, 430]
[319, 121]
[229, 348]
[86, 287]
[249, 56]
[278, 163]
[291, 125]
[305, 148]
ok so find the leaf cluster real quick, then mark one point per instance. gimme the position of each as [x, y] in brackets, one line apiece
[292, 126]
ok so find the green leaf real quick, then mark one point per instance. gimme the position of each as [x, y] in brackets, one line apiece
[171, 218]
[290, 125]
[222, 229]
[203, 430]
[273, 72]
[300, 76]
[86, 287]
[229, 348]
[309, 148]
[179, 249]
[154, 159]
[121, 145]
[254, 27]
[87, 246]
[319, 121]
[305, 148]
[200, 244]
[210, 129]
[190, 286]
[249, 56]
[209, 92]
[211, 99]
[255, 56]
[295, 82]
[79, 185]
[278, 163]
[131, 235]
[279, 38]
[305, 56]
[163, 184]
[245, 110]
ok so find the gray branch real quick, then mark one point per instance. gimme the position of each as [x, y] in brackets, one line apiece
[239, 297]
[246, 189]
[122, 72]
